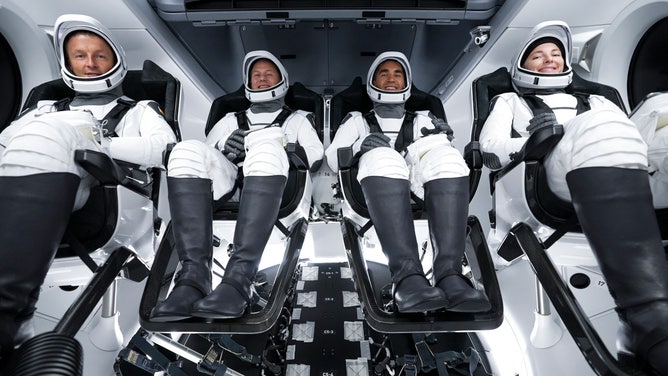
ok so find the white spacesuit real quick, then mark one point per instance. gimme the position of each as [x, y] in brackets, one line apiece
[199, 171]
[41, 184]
[584, 129]
[600, 165]
[42, 139]
[400, 151]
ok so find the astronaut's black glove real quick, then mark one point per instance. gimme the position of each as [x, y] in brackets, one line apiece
[374, 140]
[440, 127]
[234, 146]
[540, 121]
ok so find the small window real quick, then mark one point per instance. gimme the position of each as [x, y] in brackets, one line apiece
[10, 76]
[648, 71]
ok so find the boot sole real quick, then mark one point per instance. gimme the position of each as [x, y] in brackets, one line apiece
[219, 315]
[168, 318]
[471, 306]
[423, 307]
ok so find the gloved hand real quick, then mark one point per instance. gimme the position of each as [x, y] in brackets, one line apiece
[374, 140]
[234, 146]
[440, 127]
[540, 121]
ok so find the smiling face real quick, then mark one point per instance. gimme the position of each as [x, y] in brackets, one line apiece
[389, 76]
[264, 75]
[88, 55]
[546, 58]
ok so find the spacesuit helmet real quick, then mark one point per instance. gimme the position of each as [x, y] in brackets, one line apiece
[269, 94]
[381, 96]
[556, 32]
[70, 23]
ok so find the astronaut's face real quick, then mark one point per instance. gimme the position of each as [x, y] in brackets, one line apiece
[88, 55]
[389, 76]
[264, 75]
[546, 58]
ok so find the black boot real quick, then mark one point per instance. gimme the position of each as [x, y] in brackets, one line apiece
[190, 205]
[447, 207]
[614, 206]
[388, 201]
[258, 210]
[35, 212]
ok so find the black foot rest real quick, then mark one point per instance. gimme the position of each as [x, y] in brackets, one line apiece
[572, 315]
[163, 270]
[385, 321]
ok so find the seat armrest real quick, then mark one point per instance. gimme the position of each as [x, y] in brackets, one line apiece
[297, 160]
[541, 142]
[105, 169]
[345, 156]
[166, 153]
[473, 155]
[536, 148]
[473, 159]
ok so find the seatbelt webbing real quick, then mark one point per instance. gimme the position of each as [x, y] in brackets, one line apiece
[242, 119]
[405, 136]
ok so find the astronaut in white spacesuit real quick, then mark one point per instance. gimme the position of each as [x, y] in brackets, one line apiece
[201, 172]
[600, 165]
[402, 151]
[41, 184]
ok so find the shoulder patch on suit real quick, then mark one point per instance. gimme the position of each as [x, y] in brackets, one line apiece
[346, 118]
[156, 107]
[311, 119]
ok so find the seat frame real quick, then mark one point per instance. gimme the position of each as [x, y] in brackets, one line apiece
[292, 222]
[298, 185]
[356, 222]
[546, 210]
[114, 253]
[544, 205]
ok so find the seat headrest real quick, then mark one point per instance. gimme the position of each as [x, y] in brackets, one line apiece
[301, 98]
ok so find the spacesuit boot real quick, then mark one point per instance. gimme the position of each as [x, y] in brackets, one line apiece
[388, 201]
[35, 212]
[614, 207]
[191, 203]
[447, 205]
[258, 210]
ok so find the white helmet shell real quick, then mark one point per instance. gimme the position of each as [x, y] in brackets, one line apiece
[275, 92]
[381, 96]
[69, 23]
[524, 78]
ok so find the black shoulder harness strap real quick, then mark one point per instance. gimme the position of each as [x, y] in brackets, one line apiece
[405, 136]
[537, 105]
[113, 117]
[63, 104]
[242, 119]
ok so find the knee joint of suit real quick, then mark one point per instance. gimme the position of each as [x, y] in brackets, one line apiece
[383, 162]
[442, 162]
[43, 145]
[188, 159]
[605, 138]
[266, 159]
